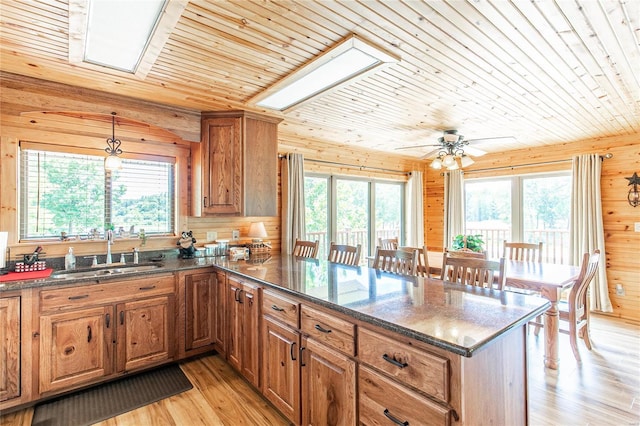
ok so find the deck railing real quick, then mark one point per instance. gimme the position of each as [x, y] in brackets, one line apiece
[555, 247]
[555, 243]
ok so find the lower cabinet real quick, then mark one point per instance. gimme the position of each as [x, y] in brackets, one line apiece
[281, 368]
[9, 348]
[76, 347]
[243, 310]
[91, 332]
[198, 292]
[328, 386]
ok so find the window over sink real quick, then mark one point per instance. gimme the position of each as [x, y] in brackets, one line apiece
[72, 193]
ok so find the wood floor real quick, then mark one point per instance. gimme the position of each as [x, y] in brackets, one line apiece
[603, 390]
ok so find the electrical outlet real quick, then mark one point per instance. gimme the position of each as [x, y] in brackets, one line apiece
[235, 234]
[636, 227]
[619, 290]
[212, 235]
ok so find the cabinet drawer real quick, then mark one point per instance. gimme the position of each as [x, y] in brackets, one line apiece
[332, 331]
[383, 401]
[72, 297]
[281, 308]
[410, 365]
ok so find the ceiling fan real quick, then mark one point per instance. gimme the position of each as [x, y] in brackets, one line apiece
[453, 150]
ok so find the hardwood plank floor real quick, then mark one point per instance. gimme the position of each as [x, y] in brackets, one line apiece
[603, 390]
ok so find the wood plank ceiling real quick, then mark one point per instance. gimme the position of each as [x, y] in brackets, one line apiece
[544, 71]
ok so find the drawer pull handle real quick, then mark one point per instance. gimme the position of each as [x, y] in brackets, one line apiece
[237, 295]
[88, 334]
[276, 308]
[292, 351]
[108, 320]
[82, 296]
[121, 317]
[393, 419]
[149, 287]
[394, 362]
[321, 329]
[205, 202]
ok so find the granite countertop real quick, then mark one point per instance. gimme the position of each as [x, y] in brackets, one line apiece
[457, 318]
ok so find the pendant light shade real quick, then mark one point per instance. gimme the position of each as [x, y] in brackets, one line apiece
[113, 161]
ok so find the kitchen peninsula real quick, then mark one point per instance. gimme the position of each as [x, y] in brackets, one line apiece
[321, 340]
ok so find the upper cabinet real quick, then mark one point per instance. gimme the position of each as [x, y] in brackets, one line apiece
[236, 165]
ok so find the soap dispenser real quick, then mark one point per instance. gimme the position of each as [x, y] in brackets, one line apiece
[70, 260]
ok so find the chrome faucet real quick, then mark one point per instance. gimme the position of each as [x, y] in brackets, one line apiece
[109, 236]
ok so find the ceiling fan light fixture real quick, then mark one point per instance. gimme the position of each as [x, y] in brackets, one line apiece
[448, 160]
[466, 161]
[436, 164]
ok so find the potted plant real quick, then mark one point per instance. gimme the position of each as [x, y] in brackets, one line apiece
[468, 243]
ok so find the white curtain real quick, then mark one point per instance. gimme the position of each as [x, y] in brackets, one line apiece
[293, 225]
[415, 211]
[586, 229]
[453, 205]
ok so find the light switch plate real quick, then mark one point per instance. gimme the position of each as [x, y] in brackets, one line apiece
[212, 236]
[235, 234]
[636, 227]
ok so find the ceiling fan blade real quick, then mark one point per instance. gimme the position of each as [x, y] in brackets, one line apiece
[431, 154]
[476, 152]
[491, 139]
[416, 146]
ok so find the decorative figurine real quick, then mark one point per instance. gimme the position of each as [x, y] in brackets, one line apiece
[186, 243]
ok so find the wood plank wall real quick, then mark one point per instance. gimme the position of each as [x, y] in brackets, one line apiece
[621, 242]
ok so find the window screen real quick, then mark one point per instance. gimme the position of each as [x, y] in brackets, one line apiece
[72, 193]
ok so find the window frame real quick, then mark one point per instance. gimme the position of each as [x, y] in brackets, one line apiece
[332, 230]
[517, 189]
[74, 150]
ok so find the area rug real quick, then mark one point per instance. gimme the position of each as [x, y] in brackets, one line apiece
[111, 399]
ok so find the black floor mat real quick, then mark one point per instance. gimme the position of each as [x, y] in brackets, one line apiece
[111, 399]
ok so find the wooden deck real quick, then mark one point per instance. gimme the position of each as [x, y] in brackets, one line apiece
[604, 390]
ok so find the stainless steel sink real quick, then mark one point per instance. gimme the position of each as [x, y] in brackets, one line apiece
[114, 270]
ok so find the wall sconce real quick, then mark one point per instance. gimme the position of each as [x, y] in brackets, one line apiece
[634, 196]
[113, 162]
[257, 231]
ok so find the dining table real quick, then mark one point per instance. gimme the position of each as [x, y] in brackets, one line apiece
[549, 280]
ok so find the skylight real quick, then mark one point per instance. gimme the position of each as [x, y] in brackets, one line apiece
[118, 32]
[331, 70]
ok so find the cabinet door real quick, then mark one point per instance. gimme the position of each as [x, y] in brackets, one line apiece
[234, 320]
[75, 347]
[145, 332]
[281, 368]
[222, 165]
[220, 311]
[251, 334]
[328, 386]
[199, 310]
[9, 348]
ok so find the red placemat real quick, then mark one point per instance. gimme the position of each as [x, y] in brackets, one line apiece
[15, 276]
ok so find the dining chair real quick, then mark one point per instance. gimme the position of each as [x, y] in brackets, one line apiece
[474, 271]
[307, 249]
[527, 252]
[344, 254]
[422, 265]
[575, 310]
[399, 261]
[388, 243]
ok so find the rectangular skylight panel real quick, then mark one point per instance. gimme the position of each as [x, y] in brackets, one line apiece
[341, 68]
[119, 31]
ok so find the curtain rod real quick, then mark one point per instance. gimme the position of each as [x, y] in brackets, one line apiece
[352, 166]
[544, 163]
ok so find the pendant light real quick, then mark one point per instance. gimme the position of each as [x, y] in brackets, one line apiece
[113, 162]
